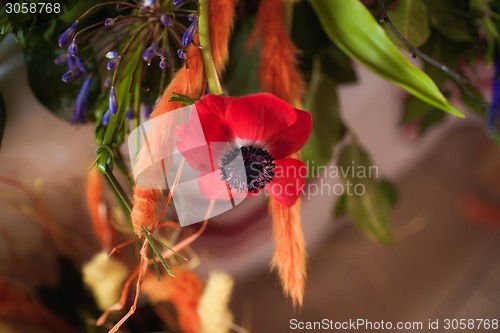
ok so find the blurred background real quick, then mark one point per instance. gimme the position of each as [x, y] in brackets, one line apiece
[444, 263]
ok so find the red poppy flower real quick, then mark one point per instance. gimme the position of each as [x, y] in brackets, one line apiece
[260, 129]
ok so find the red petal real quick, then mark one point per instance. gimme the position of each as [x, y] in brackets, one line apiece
[293, 138]
[259, 117]
[211, 111]
[288, 182]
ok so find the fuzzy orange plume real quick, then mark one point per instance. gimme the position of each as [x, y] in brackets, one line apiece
[278, 73]
[290, 254]
[145, 207]
[183, 291]
[97, 209]
[221, 21]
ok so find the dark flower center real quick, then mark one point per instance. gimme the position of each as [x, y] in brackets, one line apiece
[254, 175]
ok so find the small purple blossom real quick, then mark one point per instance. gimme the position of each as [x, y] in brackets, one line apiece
[68, 77]
[161, 53]
[113, 104]
[110, 21]
[81, 102]
[149, 53]
[105, 117]
[191, 17]
[112, 55]
[148, 3]
[130, 114]
[167, 20]
[182, 54]
[67, 35]
[163, 63]
[188, 36]
[176, 2]
[147, 110]
[112, 64]
[73, 49]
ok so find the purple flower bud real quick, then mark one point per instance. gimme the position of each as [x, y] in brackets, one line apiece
[149, 53]
[113, 105]
[177, 2]
[163, 63]
[81, 102]
[112, 64]
[112, 55]
[182, 54]
[61, 59]
[167, 20]
[73, 49]
[67, 35]
[147, 3]
[76, 65]
[110, 21]
[161, 53]
[105, 117]
[147, 110]
[130, 115]
[188, 36]
[191, 17]
[68, 77]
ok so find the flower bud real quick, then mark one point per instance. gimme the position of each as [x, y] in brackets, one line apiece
[67, 35]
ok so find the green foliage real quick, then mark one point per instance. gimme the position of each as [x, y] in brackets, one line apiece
[369, 201]
[322, 102]
[352, 27]
[411, 20]
[308, 35]
[175, 97]
[241, 74]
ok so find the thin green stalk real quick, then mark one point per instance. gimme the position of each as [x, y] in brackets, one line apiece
[206, 52]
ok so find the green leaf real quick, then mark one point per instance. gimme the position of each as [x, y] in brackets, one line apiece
[411, 20]
[175, 97]
[367, 201]
[390, 191]
[340, 206]
[442, 18]
[328, 128]
[3, 118]
[241, 74]
[352, 27]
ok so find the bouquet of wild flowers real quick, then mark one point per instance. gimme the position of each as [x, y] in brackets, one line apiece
[165, 73]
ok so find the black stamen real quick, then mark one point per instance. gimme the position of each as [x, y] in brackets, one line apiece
[257, 173]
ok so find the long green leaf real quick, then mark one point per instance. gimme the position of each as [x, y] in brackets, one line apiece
[353, 28]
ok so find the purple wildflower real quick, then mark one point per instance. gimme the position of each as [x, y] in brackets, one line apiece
[113, 105]
[188, 36]
[81, 102]
[67, 35]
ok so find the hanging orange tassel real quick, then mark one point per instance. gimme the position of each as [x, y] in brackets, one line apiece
[278, 74]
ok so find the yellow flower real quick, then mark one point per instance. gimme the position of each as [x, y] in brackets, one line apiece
[105, 277]
[213, 308]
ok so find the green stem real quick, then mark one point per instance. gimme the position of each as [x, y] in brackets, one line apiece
[118, 190]
[206, 52]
